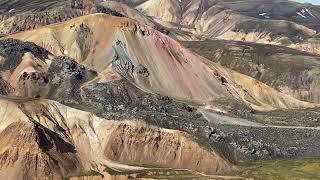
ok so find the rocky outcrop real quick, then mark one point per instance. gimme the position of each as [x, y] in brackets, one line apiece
[154, 147]
[66, 78]
[5, 87]
[106, 10]
[31, 20]
[32, 151]
[12, 52]
[78, 4]
[33, 85]
[126, 64]
[23, 66]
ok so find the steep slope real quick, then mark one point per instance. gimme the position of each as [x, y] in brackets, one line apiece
[153, 61]
[235, 26]
[290, 71]
[18, 6]
[23, 67]
[269, 22]
[144, 19]
[30, 17]
[171, 11]
[188, 12]
[46, 139]
[31, 150]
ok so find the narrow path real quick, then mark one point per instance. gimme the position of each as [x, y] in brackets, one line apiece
[221, 119]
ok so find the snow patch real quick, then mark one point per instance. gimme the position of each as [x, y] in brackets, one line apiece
[265, 15]
[309, 12]
[300, 14]
[216, 109]
[305, 13]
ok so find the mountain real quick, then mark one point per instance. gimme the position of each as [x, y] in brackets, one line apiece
[269, 22]
[46, 139]
[67, 142]
[128, 90]
[287, 70]
[152, 61]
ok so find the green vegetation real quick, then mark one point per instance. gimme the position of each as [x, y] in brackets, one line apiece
[170, 174]
[158, 173]
[84, 174]
[300, 169]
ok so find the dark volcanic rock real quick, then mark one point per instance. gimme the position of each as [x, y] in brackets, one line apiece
[62, 11]
[13, 50]
[141, 69]
[78, 4]
[5, 87]
[106, 10]
[66, 77]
